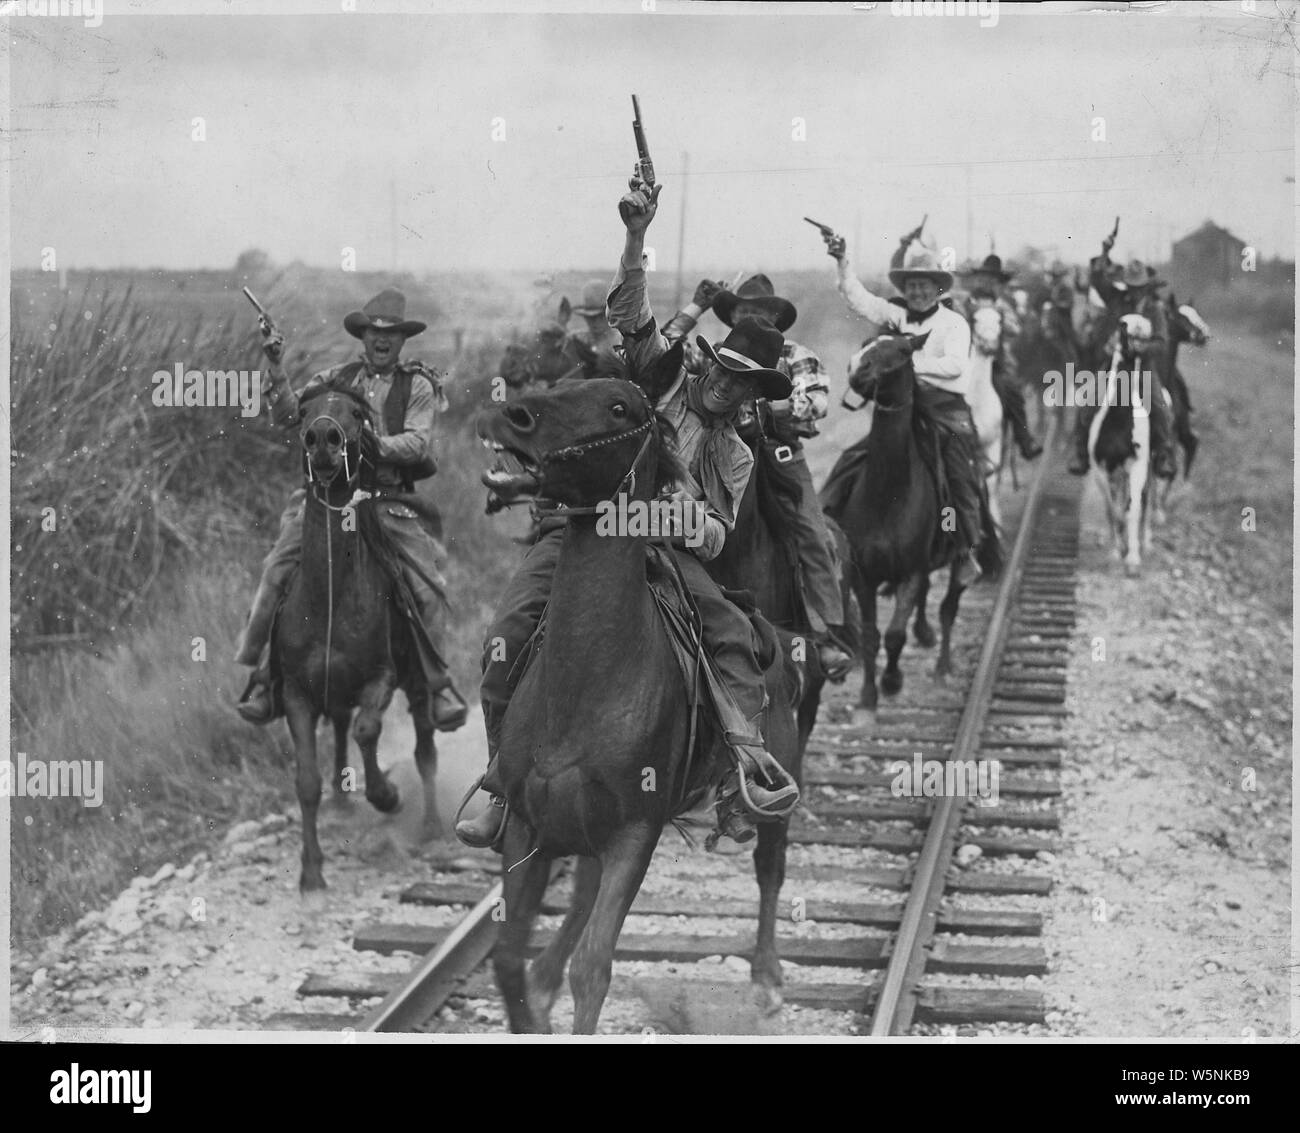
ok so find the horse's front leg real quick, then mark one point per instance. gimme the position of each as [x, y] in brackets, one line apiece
[426, 763]
[891, 681]
[947, 616]
[523, 886]
[922, 631]
[301, 717]
[547, 971]
[865, 714]
[769, 869]
[623, 865]
[343, 785]
[380, 791]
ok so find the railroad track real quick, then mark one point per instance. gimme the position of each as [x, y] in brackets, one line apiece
[901, 914]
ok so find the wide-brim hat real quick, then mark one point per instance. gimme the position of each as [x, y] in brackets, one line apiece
[386, 311]
[753, 350]
[593, 298]
[758, 292]
[925, 265]
[992, 265]
[1135, 275]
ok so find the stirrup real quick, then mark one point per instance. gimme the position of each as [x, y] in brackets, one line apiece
[259, 678]
[475, 787]
[787, 796]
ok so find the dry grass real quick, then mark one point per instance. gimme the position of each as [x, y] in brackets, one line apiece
[163, 518]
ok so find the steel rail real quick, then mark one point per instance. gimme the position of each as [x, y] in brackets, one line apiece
[899, 989]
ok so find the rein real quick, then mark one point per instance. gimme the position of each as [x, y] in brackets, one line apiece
[351, 476]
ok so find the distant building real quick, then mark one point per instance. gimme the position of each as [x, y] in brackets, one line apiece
[1208, 257]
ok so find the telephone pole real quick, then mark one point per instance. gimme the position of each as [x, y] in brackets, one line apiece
[681, 234]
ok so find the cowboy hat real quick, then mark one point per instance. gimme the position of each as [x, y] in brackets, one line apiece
[1134, 276]
[923, 263]
[757, 291]
[386, 311]
[593, 299]
[992, 265]
[752, 350]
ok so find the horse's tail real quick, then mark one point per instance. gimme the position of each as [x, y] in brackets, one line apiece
[571, 800]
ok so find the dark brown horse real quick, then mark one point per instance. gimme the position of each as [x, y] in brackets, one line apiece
[1185, 325]
[888, 508]
[594, 746]
[340, 643]
[760, 557]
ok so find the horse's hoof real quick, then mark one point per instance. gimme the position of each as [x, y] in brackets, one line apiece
[1132, 570]
[768, 999]
[891, 684]
[864, 718]
[942, 671]
[386, 800]
[311, 883]
[923, 635]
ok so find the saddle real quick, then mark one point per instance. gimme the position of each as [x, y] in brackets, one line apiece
[433, 668]
[681, 619]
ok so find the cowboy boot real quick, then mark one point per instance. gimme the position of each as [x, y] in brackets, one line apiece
[256, 704]
[449, 710]
[485, 829]
[753, 759]
[835, 662]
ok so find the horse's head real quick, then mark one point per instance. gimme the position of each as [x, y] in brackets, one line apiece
[1187, 324]
[583, 442]
[331, 434]
[885, 354]
[986, 330]
[1134, 334]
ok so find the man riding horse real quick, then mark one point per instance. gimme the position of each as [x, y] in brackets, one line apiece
[986, 287]
[702, 412]
[402, 397]
[1129, 291]
[793, 419]
[941, 365]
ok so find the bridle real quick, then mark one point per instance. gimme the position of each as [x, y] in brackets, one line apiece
[351, 477]
[626, 486]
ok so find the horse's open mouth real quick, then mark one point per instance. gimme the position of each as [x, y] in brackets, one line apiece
[512, 473]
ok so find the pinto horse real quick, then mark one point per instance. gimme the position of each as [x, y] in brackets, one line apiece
[985, 405]
[595, 745]
[1119, 447]
[340, 642]
[760, 557]
[885, 500]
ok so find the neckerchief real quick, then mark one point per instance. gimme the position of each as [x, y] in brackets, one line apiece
[920, 316]
[715, 454]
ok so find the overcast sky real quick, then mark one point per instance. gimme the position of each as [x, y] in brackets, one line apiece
[316, 125]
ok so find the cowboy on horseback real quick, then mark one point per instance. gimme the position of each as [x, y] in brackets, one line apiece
[986, 287]
[940, 364]
[793, 419]
[1130, 291]
[403, 398]
[718, 463]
